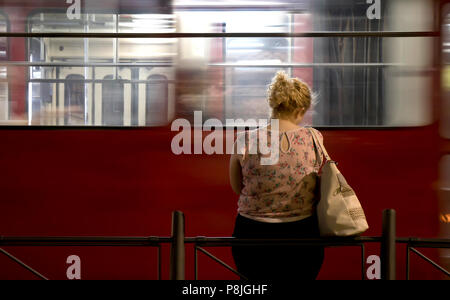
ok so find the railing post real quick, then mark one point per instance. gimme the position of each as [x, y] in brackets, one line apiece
[177, 253]
[388, 254]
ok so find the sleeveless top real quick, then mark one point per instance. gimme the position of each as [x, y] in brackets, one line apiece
[284, 191]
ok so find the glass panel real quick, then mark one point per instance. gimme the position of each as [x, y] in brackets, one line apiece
[407, 15]
[4, 105]
[100, 70]
[157, 95]
[445, 112]
[358, 80]
[112, 101]
[74, 100]
[324, 11]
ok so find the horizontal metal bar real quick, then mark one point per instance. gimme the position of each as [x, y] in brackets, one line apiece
[364, 239]
[424, 243]
[230, 241]
[318, 34]
[307, 65]
[430, 261]
[279, 7]
[83, 64]
[147, 241]
[22, 264]
[351, 241]
[202, 239]
[279, 243]
[23, 125]
[83, 241]
[227, 65]
[95, 81]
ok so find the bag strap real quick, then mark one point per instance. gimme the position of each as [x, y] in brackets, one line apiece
[319, 144]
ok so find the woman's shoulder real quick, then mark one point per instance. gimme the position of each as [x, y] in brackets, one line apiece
[316, 132]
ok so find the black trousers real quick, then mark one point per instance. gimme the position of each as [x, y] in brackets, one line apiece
[277, 262]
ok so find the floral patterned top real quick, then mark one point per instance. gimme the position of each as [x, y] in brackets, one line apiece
[285, 191]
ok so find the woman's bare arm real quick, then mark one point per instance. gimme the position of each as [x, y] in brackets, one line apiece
[235, 174]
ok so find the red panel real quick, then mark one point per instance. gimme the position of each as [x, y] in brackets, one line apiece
[127, 182]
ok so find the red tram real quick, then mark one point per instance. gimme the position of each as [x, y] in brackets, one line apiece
[86, 138]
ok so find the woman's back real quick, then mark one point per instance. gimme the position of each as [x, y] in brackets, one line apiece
[276, 200]
[285, 191]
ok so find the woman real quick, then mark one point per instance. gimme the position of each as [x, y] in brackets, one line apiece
[278, 201]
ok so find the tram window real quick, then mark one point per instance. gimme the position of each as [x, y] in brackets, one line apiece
[95, 98]
[112, 101]
[74, 99]
[40, 93]
[359, 81]
[4, 101]
[445, 112]
[248, 94]
[157, 98]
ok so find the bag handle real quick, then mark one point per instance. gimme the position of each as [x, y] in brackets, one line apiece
[319, 144]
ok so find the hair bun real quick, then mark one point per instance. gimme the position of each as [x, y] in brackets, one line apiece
[279, 89]
[282, 77]
[286, 94]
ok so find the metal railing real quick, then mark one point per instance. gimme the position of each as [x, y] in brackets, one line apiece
[101, 241]
[201, 242]
[413, 243]
[388, 241]
[178, 242]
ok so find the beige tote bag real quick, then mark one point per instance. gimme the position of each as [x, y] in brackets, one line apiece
[339, 211]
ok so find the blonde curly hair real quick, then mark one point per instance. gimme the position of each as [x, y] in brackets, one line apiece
[288, 95]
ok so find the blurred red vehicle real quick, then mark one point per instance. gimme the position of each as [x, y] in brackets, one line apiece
[86, 120]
